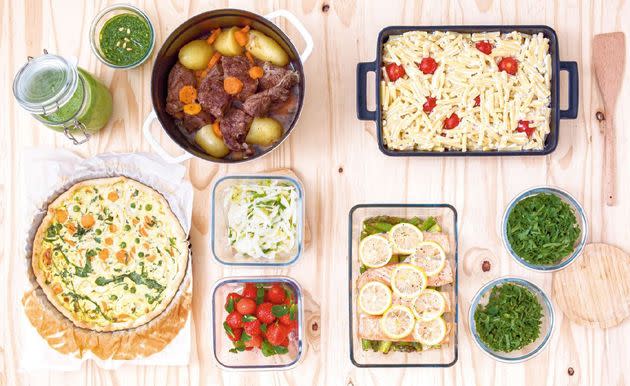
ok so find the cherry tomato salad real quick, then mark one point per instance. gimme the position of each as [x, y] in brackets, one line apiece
[261, 316]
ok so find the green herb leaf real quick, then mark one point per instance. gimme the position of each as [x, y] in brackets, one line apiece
[229, 330]
[229, 306]
[248, 318]
[263, 328]
[293, 312]
[260, 294]
[279, 310]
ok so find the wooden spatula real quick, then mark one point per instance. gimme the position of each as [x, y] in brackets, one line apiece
[609, 54]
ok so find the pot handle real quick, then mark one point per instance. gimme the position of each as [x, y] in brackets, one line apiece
[146, 133]
[362, 111]
[574, 90]
[308, 39]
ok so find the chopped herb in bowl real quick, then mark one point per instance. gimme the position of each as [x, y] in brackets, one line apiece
[542, 229]
[511, 319]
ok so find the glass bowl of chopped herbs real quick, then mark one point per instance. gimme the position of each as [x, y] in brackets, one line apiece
[511, 319]
[544, 229]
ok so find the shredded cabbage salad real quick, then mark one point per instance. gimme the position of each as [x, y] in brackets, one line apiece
[262, 218]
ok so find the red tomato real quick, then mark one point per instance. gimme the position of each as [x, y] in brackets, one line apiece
[285, 342]
[249, 291]
[276, 334]
[394, 71]
[477, 100]
[246, 306]
[234, 320]
[485, 47]
[451, 122]
[234, 296]
[276, 294]
[255, 341]
[253, 327]
[429, 105]
[428, 65]
[237, 334]
[286, 321]
[264, 314]
[523, 127]
[509, 65]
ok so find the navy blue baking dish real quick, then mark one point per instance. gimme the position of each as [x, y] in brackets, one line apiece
[551, 141]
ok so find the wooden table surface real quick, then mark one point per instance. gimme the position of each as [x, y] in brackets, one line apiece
[338, 160]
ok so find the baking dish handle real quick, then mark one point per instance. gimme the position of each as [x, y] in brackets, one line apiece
[308, 39]
[362, 111]
[574, 90]
[146, 132]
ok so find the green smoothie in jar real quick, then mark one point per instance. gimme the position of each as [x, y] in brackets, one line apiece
[63, 97]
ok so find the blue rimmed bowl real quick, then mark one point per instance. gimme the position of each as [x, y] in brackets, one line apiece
[580, 215]
[546, 329]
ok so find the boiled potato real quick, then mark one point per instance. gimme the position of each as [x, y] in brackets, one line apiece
[208, 140]
[265, 48]
[196, 55]
[226, 44]
[264, 131]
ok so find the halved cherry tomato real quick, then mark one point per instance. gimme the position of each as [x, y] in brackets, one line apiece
[477, 100]
[234, 320]
[276, 294]
[428, 65]
[428, 106]
[509, 65]
[276, 334]
[485, 47]
[254, 342]
[523, 127]
[237, 334]
[394, 71]
[250, 291]
[246, 306]
[253, 327]
[451, 122]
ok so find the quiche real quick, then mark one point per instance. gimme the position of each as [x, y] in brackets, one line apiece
[110, 254]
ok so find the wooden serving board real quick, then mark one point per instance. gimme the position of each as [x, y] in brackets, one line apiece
[595, 290]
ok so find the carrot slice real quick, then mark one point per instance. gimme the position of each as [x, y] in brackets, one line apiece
[241, 37]
[109, 241]
[250, 57]
[192, 108]
[187, 94]
[87, 221]
[121, 256]
[217, 129]
[232, 85]
[112, 196]
[103, 254]
[214, 59]
[256, 72]
[213, 36]
[61, 215]
[113, 228]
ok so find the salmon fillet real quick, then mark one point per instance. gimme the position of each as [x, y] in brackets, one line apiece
[384, 274]
[439, 238]
[369, 328]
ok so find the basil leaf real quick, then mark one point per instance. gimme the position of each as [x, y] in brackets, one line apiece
[279, 310]
[248, 318]
[229, 307]
[245, 337]
[280, 349]
[267, 349]
[293, 312]
[263, 328]
[260, 294]
[239, 345]
[228, 330]
[233, 350]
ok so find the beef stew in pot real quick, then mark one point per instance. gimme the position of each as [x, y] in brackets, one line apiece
[241, 101]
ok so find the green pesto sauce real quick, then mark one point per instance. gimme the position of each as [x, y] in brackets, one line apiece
[125, 39]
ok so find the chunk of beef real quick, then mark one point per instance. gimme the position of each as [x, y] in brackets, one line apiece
[238, 67]
[272, 75]
[258, 105]
[211, 95]
[234, 128]
[193, 123]
[179, 77]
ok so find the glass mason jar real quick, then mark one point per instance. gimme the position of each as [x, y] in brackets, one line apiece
[62, 96]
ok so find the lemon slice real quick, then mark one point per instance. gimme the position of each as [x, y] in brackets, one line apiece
[429, 256]
[375, 251]
[398, 322]
[430, 304]
[430, 333]
[405, 238]
[375, 298]
[408, 280]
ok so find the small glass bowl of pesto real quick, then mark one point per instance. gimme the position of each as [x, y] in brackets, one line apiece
[122, 36]
[511, 319]
[544, 229]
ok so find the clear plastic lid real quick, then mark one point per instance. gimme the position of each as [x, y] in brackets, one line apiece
[45, 83]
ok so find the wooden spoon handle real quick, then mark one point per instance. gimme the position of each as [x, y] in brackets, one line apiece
[610, 161]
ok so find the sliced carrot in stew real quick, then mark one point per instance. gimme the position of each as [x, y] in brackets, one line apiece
[217, 129]
[213, 36]
[232, 85]
[192, 108]
[256, 72]
[242, 36]
[187, 94]
[250, 57]
[214, 60]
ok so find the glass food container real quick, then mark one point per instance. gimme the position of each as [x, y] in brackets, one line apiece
[579, 215]
[122, 36]
[529, 351]
[62, 96]
[253, 360]
[221, 248]
[446, 355]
